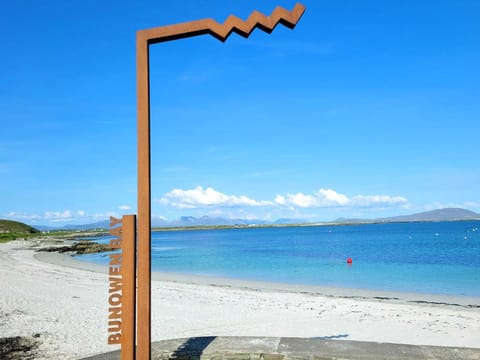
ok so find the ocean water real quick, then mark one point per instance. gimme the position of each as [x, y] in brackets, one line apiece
[437, 258]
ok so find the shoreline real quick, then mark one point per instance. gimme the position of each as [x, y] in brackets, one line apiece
[311, 224]
[62, 303]
[255, 285]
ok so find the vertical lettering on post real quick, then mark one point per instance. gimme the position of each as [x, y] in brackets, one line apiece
[121, 291]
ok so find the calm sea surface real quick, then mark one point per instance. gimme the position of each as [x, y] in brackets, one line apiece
[441, 257]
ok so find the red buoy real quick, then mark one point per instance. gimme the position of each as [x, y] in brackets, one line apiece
[349, 260]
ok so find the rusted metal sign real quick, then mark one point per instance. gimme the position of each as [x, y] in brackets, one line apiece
[144, 39]
[121, 290]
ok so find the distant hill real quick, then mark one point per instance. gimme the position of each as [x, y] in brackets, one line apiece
[104, 224]
[351, 220]
[9, 226]
[11, 230]
[449, 214]
[446, 214]
[180, 222]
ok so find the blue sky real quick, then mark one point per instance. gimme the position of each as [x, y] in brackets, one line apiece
[365, 109]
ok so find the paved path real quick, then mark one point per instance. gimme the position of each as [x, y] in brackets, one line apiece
[258, 348]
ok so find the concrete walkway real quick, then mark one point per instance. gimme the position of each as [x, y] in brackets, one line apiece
[257, 348]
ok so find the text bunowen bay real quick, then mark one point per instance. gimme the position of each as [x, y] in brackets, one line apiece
[115, 290]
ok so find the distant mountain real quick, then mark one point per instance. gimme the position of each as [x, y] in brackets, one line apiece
[156, 222]
[104, 224]
[45, 227]
[447, 214]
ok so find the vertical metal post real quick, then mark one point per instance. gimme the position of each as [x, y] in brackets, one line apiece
[144, 206]
[144, 39]
[128, 287]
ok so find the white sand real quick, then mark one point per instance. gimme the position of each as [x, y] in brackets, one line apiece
[67, 306]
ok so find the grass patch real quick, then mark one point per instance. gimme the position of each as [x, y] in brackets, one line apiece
[6, 237]
[12, 230]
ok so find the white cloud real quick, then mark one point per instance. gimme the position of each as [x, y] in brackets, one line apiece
[328, 198]
[79, 216]
[280, 200]
[23, 216]
[298, 200]
[124, 207]
[159, 217]
[206, 197]
[200, 197]
[58, 215]
[321, 198]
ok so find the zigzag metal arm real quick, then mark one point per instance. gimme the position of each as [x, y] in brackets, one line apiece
[144, 39]
[223, 31]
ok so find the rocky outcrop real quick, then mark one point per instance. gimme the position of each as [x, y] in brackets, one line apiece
[81, 247]
[19, 347]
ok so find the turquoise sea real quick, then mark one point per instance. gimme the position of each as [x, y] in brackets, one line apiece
[429, 257]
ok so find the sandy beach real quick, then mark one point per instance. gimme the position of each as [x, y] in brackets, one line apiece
[62, 302]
